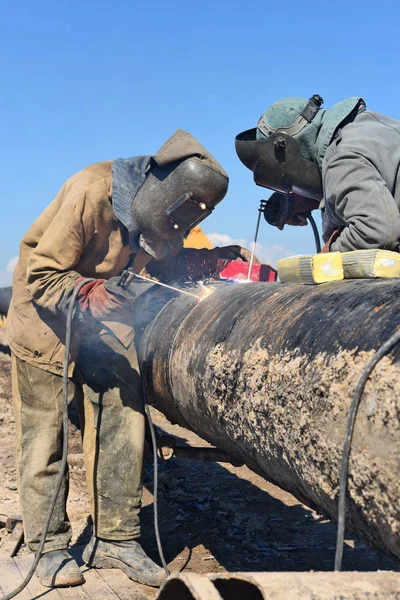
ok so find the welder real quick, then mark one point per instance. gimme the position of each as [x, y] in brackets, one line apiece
[344, 160]
[111, 215]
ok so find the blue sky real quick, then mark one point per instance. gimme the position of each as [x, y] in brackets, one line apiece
[83, 81]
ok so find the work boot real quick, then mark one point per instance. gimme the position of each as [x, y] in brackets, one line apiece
[58, 569]
[127, 555]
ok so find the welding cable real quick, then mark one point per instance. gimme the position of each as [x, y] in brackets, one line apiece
[155, 489]
[63, 464]
[143, 373]
[344, 467]
[315, 232]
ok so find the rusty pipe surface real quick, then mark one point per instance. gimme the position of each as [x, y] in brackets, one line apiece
[281, 586]
[266, 371]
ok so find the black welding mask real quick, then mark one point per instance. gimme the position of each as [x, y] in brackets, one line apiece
[279, 149]
[276, 164]
[174, 198]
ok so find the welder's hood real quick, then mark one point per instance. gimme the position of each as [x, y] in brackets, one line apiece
[286, 149]
[174, 190]
[183, 145]
[286, 117]
[310, 125]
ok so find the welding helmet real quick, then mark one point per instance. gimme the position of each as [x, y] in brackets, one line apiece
[183, 185]
[280, 150]
[297, 117]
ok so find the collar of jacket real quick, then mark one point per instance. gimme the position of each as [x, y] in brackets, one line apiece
[128, 176]
[330, 121]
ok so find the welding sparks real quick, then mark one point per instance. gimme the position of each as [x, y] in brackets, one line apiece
[241, 280]
[170, 287]
[205, 290]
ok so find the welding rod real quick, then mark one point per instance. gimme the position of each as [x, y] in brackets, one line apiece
[253, 250]
[170, 287]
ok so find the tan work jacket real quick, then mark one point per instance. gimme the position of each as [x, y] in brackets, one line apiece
[77, 235]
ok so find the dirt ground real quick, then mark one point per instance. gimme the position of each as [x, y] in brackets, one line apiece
[213, 516]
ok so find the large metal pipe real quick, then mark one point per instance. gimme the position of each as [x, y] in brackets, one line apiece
[281, 586]
[266, 373]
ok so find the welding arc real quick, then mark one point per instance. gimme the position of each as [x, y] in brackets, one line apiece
[170, 287]
[253, 250]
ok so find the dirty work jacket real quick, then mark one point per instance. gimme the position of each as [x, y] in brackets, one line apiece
[361, 182]
[77, 235]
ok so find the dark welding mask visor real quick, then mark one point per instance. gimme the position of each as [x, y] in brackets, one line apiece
[277, 164]
[187, 212]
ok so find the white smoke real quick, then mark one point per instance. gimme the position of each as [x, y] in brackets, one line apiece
[12, 263]
[6, 275]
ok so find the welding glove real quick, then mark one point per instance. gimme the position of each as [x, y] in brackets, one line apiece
[288, 209]
[235, 253]
[194, 265]
[110, 299]
[302, 207]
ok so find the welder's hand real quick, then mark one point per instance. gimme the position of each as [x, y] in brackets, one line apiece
[235, 253]
[110, 299]
[100, 299]
[297, 219]
[195, 264]
[288, 209]
[203, 263]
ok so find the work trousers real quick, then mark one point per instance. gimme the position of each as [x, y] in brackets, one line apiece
[107, 388]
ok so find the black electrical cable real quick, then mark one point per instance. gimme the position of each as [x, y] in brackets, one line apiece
[143, 374]
[344, 467]
[65, 450]
[143, 371]
[155, 489]
[64, 456]
[315, 232]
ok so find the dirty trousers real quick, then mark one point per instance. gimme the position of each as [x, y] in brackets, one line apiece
[106, 386]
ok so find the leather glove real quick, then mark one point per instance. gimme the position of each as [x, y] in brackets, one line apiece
[283, 209]
[195, 264]
[110, 299]
[235, 253]
[201, 264]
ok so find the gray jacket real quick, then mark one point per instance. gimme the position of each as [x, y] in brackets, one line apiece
[361, 182]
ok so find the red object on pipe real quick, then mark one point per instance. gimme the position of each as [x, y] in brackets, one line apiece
[236, 270]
